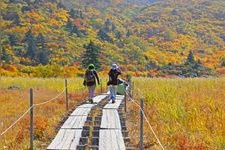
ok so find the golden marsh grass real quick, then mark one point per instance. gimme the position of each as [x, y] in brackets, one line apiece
[185, 113]
[14, 101]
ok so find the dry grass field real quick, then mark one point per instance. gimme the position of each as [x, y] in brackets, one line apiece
[186, 114]
[14, 101]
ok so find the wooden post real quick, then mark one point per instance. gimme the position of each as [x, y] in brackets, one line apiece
[129, 89]
[125, 98]
[67, 105]
[141, 125]
[31, 120]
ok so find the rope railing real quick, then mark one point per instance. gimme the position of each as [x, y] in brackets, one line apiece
[153, 132]
[29, 110]
[17, 120]
[50, 99]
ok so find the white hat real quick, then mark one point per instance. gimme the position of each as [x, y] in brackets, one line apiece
[114, 66]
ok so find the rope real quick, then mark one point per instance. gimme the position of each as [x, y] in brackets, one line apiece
[29, 110]
[50, 99]
[17, 120]
[145, 119]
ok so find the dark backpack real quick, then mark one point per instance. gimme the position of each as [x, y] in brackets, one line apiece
[113, 75]
[89, 76]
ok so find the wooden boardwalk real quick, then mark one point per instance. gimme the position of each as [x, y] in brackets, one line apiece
[66, 139]
[110, 136]
[69, 135]
[109, 133]
[111, 139]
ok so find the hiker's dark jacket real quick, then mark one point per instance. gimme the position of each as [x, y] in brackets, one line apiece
[113, 75]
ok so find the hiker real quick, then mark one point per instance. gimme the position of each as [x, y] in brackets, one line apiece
[112, 83]
[90, 81]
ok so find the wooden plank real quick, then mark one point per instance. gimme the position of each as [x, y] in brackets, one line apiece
[111, 140]
[110, 119]
[119, 97]
[74, 122]
[69, 135]
[81, 111]
[98, 98]
[117, 103]
[66, 139]
[111, 105]
[86, 106]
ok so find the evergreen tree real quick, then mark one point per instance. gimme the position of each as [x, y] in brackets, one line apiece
[113, 27]
[76, 31]
[60, 5]
[42, 52]
[150, 65]
[16, 20]
[43, 57]
[190, 58]
[91, 55]
[27, 1]
[6, 57]
[69, 25]
[118, 35]
[81, 14]
[193, 68]
[31, 50]
[72, 13]
[12, 1]
[75, 13]
[104, 36]
[26, 8]
[108, 24]
[223, 62]
[128, 33]
[12, 39]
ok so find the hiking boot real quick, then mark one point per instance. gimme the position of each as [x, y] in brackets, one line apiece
[113, 101]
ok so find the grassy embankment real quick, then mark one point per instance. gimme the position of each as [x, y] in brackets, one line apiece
[184, 113]
[15, 101]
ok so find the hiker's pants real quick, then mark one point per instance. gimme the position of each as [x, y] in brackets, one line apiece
[112, 89]
[91, 91]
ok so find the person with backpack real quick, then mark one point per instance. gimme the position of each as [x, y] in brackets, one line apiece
[112, 83]
[90, 78]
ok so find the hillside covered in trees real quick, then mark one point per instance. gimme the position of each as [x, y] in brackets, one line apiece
[146, 37]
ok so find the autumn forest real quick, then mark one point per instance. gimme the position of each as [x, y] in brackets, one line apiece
[173, 51]
[45, 38]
